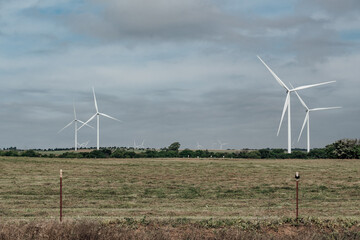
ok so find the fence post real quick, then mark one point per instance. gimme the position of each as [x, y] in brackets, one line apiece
[60, 195]
[297, 178]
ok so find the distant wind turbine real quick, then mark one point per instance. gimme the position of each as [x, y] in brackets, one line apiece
[97, 115]
[221, 144]
[307, 119]
[198, 146]
[75, 121]
[139, 146]
[287, 100]
[84, 145]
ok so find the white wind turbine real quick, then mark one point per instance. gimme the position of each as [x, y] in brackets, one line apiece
[97, 115]
[75, 121]
[307, 119]
[139, 146]
[198, 146]
[84, 145]
[287, 100]
[142, 144]
[221, 144]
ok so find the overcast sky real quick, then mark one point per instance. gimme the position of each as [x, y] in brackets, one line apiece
[177, 71]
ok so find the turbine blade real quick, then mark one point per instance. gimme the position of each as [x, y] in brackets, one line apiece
[274, 75]
[310, 86]
[105, 115]
[85, 123]
[305, 120]
[284, 110]
[66, 126]
[96, 106]
[327, 108]
[74, 111]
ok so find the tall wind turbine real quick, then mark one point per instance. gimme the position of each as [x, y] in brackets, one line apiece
[198, 146]
[287, 100]
[97, 115]
[75, 121]
[307, 119]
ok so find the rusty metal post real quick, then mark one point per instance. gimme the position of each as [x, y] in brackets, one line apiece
[297, 178]
[60, 195]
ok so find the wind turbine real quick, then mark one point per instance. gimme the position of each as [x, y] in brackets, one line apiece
[198, 146]
[307, 119]
[97, 115]
[75, 121]
[83, 144]
[287, 100]
[221, 144]
[142, 144]
[139, 146]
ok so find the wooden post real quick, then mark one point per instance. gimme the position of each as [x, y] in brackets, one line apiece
[297, 200]
[297, 178]
[60, 195]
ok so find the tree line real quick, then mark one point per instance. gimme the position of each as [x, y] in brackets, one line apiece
[341, 149]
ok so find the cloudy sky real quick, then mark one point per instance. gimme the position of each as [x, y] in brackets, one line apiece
[177, 70]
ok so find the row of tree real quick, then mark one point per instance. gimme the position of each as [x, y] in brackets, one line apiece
[342, 149]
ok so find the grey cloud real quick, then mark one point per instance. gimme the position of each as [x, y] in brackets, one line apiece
[334, 6]
[153, 20]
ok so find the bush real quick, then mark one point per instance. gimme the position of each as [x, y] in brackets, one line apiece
[344, 149]
[30, 153]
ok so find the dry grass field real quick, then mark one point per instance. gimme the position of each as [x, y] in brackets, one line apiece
[178, 188]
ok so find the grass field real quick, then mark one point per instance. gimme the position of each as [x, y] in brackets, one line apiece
[178, 188]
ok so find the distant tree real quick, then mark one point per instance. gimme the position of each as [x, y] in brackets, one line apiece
[106, 151]
[186, 153]
[11, 153]
[254, 154]
[30, 153]
[298, 155]
[318, 153]
[345, 148]
[264, 153]
[97, 154]
[174, 146]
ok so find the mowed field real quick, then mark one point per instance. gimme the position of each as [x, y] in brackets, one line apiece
[178, 188]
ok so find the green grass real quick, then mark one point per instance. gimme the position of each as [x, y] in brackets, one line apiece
[178, 188]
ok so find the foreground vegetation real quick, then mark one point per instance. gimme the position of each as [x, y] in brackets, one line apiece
[178, 188]
[181, 229]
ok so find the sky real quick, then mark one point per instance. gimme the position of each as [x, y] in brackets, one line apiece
[174, 70]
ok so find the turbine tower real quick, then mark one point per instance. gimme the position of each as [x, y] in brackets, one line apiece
[198, 146]
[307, 119]
[97, 115]
[75, 121]
[287, 100]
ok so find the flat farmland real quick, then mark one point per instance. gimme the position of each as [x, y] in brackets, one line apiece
[178, 188]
